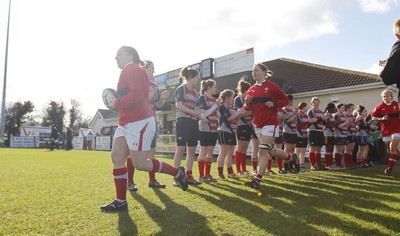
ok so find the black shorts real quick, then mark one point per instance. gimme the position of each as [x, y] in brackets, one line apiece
[208, 138]
[351, 139]
[316, 138]
[279, 140]
[290, 138]
[301, 142]
[340, 140]
[362, 140]
[226, 138]
[245, 133]
[187, 132]
[329, 140]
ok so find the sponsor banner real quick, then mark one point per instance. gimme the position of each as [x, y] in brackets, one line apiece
[23, 142]
[160, 81]
[166, 143]
[234, 63]
[172, 78]
[103, 143]
[77, 143]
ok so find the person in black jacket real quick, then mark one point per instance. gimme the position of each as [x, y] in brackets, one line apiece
[53, 137]
[391, 71]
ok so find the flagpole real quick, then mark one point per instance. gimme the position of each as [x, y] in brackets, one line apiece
[3, 103]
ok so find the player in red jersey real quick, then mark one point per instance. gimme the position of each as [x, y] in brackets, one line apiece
[387, 112]
[263, 99]
[135, 129]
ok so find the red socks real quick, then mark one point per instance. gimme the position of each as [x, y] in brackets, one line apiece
[392, 160]
[254, 163]
[120, 178]
[328, 159]
[220, 171]
[208, 166]
[279, 162]
[311, 157]
[243, 162]
[348, 159]
[238, 161]
[201, 164]
[269, 163]
[161, 167]
[318, 160]
[338, 159]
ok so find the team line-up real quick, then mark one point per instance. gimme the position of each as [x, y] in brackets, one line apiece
[261, 113]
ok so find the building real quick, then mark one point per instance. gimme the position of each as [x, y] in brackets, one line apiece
[104, 122]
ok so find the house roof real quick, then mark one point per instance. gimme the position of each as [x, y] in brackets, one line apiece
[300, 76]
[108, 114]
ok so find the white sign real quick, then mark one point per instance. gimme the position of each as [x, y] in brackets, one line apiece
[103, 143]
[234, 63]
[77, 143]
[23, 142]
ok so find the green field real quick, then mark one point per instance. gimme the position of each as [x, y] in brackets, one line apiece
[59, 193]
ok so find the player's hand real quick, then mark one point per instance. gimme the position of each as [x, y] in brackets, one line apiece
[385, 117]
[269, 104]
[313, 120]
[164, 94]
[248, 100]
[218, 101]
[198, 112]
[382, 63]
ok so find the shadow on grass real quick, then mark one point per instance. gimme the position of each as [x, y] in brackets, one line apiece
[272, 221]
[317, 205]
[125, 224]
[175, 219]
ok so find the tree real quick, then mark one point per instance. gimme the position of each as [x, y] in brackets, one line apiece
[54, 114]
[17, 115]
[75, 116]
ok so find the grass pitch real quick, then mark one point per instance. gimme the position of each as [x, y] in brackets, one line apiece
[59, 193]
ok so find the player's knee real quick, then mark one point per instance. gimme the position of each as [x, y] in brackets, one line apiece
[265, 148]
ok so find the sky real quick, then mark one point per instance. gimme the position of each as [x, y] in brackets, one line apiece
[65, 49]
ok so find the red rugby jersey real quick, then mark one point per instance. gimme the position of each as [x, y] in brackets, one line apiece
[392, 125]
[133, 89]
[262, 115]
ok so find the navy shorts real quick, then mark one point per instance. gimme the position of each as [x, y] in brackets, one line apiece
[362, 140]
[245, 133]
[187, 132]
[208, 138]
[290, 138]
[340, 140]
[226, 138]
[316, 138]
[302, 142]
[279, 140]
[351, 139]
[329, 140]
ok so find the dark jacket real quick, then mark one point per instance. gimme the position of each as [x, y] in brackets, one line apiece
[391, 72]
